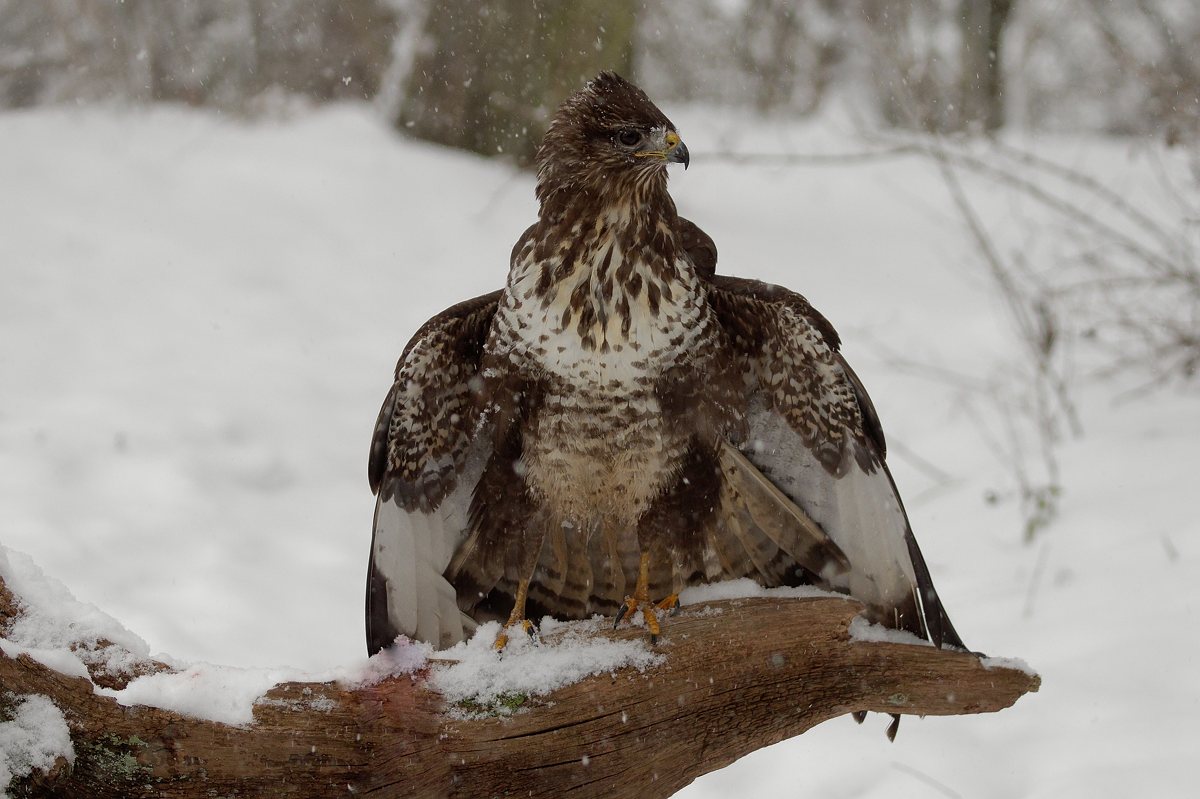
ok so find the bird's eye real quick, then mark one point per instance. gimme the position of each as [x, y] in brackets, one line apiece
[629, 138]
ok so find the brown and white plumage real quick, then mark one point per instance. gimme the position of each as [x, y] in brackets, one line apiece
[618, 399]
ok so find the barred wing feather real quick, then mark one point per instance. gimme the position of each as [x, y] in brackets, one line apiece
[426, 458]
[813, 433]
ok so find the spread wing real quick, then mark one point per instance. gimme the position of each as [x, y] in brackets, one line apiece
[813, 433]
[426, 458]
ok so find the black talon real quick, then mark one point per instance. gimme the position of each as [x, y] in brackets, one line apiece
[620, 614]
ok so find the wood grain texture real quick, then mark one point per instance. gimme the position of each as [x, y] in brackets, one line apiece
[738, 675]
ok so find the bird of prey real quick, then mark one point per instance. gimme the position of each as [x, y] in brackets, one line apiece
[620, 421]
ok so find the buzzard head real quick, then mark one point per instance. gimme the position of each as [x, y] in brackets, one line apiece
[607, 139]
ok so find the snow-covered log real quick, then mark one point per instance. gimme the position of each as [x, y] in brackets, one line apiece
[732, 676]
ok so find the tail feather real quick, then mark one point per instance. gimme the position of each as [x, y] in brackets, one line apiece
[730, 557]
[554, 565]
[758, 547]
[608, 576]
[578, 585]
[712, 563]
[473, 571]
[562, 582]
[754, 503]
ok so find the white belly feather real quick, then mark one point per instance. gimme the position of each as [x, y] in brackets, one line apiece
[599, 447]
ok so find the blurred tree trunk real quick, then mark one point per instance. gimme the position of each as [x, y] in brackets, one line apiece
[981, 23]
[488, 77]
[326, 50]
[788, 49]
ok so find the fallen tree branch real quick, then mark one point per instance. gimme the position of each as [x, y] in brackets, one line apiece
[738, 675]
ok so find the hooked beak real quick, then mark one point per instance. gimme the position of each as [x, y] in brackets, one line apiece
[677, 152]
[669, 148]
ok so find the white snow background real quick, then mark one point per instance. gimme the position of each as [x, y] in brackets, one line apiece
[199, 318]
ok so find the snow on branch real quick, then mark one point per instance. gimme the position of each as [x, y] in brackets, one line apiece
[730, 676]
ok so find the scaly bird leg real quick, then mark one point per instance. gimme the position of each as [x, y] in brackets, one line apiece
[641, 598]
[516, 618]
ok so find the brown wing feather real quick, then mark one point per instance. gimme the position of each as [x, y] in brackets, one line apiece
[765, 508]
[701, 250]
[430, 412]
[424, 463]
[814, 434]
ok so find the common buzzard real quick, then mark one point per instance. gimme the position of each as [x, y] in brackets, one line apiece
[620, 421]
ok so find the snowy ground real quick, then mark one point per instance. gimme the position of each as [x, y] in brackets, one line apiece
[199, 318]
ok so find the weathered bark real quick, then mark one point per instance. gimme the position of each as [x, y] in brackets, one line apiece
[737, 677]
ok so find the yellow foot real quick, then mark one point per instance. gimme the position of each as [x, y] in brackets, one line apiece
[670, 604]
[631, 604]
[517, 618]
[525, 625]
